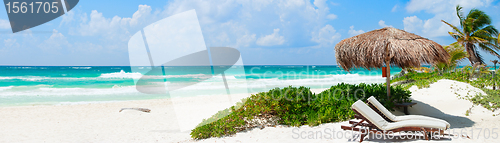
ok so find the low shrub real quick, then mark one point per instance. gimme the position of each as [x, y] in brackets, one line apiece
[479, 78]
[296, 107]
[490, 101]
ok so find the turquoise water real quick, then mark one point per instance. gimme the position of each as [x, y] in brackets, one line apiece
[33, 85]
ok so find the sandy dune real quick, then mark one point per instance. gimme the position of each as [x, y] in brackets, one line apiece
[101, 122]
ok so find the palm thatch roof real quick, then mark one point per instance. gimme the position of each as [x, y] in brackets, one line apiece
[368, 50]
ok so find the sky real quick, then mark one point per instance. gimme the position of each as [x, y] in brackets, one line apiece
[266, 32]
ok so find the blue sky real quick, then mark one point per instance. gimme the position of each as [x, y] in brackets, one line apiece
[277, 32]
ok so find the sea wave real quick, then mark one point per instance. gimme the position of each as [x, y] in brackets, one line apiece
[214, 83]
[86, 68]
[50, 91]
[5, 88]
[136, 75]
[217, 83]
[39, 78]
[121, 74]
[116, 75]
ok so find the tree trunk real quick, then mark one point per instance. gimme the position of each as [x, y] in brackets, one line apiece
[472, 54]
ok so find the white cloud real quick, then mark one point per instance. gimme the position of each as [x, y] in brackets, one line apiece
[232, 23]
[272, 39]
[442, 10]
[353, 32]
[243, 18]
[294, 3]
[116, 27]
[382, 24]
[320, 3]
[325, 36]
[427, 28]
[245, 40]
[440, 6]
[4, 24]
[68, 17]
[10, 43]
[412, 24]
[56, 41]
[331, 16]
[395, 8]
[140, 15]
[98, 24]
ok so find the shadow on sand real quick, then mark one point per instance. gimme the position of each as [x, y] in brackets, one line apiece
[428, 110]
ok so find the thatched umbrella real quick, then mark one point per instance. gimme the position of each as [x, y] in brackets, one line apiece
[388, 46]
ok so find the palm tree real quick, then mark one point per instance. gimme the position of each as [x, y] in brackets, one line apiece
[476, 33]
[457, 54]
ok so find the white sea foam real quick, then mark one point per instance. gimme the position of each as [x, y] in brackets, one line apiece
[39, 78]
[5, 77]
[136, 75]
[50, 91]
[196, 88]
[116, 75]
[86, 68]
[5, 88]
[84, 102]
[121, 74]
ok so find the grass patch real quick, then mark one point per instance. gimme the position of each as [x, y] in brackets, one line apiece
[296, 107]
[478, 78]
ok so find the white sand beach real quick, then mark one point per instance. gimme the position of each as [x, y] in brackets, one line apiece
[101, 122]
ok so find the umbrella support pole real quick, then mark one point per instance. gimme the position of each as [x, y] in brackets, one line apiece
[388, 78]
[388, 72]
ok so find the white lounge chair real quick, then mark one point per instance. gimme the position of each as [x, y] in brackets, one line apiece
[386, 114]
[378, 125]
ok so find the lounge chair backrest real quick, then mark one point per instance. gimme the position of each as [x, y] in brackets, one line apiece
[381, 108]
[369, 114]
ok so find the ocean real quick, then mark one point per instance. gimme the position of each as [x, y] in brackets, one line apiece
[55, 85]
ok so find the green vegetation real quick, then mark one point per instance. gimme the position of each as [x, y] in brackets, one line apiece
[457, 54]
[476, 33]
[478, 77]
[296, 107]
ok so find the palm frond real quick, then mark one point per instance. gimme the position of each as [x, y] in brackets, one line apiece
[468, 26]
[491, 45]
[491, 29]
[458, 56]
[479, 19]
[453, 27]
[478, 40]
[457, 52]
[460, 15]
[481, 33]
[488, 49]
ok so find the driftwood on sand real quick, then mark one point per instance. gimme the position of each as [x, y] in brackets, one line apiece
[138, 109]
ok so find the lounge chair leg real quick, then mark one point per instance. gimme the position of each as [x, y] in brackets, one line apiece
[363, 133]
[362, 137]
[425, 134]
